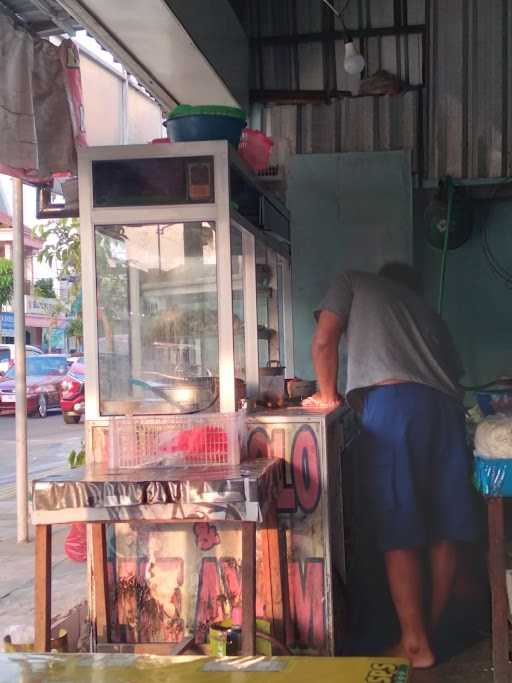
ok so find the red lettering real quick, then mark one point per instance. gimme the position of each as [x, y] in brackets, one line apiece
[206, 535]
[210, 600]
[286, 501]
[306, 469]
[261, 446]
[307, 626]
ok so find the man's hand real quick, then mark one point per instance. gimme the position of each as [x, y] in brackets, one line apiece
[318, 402]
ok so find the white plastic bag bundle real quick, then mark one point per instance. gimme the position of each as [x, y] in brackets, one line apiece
[493, 438]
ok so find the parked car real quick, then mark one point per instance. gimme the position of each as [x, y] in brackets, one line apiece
[7, 355]
[72, 393]
[45, 373]
[73, 357]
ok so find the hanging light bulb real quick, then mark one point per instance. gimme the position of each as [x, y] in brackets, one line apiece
[354, 62]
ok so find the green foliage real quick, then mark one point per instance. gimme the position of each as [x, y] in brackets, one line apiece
[75, 327]
[77, 458]
[44, 288]
[61, 245]
[6, 282]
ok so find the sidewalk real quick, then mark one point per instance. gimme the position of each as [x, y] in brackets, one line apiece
[69, 585]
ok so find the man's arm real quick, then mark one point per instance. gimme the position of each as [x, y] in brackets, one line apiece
[324, 351]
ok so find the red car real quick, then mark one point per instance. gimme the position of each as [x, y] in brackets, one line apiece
[44, 376]
[72, 396]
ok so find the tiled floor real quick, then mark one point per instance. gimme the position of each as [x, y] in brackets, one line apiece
[472, 666]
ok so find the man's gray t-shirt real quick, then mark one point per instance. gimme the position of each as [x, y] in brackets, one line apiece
[392, 334]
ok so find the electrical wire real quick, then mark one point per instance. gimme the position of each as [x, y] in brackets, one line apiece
[339, 13]
[442, 278]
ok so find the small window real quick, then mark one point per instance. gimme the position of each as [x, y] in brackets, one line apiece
[5, 354]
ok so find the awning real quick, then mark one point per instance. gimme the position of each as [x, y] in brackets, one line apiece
[175, 48]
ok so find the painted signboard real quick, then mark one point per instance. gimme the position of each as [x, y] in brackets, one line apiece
[167, 581]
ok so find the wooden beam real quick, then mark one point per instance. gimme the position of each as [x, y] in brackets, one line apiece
[100, 582]
[312, 96]
[326, 36]
[274, 575]
[248, 589]
[43, 587]
[497, 576]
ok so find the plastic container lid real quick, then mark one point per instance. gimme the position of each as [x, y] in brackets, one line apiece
[206, 110]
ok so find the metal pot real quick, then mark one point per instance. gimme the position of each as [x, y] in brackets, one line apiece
[272, 385]
[273, 369]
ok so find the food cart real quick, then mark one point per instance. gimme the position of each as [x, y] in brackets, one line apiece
[186, 296]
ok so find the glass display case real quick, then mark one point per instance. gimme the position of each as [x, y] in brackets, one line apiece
[184, 289]
[157, 320]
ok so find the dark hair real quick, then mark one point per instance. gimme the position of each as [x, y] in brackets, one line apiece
[403, 274]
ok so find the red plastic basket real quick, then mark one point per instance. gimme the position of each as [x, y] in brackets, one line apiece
[255, 149]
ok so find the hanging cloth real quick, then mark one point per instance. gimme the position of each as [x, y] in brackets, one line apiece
[18, 140]
[39, 104]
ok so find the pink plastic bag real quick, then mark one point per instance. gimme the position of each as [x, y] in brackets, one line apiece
[196, 443]
[75, 545]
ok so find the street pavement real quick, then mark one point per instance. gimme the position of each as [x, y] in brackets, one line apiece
[49, 444]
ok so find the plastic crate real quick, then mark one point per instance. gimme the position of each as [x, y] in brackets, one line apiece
[177, 441]
[255, 149]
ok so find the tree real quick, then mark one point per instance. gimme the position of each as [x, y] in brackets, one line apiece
[75, 328]
[44, 288]
[6, 285]
[6, 282]
[62, 247]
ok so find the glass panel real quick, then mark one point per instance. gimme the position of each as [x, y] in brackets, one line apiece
[269, 321]
[40, 366]
[237, 285]
[146, 182]
[280, 311]
[263, 276]
[273, 309]
[157, 318]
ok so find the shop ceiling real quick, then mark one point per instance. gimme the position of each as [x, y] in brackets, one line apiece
[452, 56]
[153, 44]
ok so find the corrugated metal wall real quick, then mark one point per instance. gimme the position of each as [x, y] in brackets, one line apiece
[361, 124]
[458, 123]
[304, 65]
[469, 93]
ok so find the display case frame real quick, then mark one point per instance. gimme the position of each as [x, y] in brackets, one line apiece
[225, 216]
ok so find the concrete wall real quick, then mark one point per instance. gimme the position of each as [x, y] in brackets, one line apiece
[477, 304]
[348, 211]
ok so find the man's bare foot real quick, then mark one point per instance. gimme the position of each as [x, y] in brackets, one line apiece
[421, 657]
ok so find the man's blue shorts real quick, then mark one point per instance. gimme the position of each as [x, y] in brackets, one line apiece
[415, 468]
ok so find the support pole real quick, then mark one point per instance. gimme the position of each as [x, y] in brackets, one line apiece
[20, 362]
